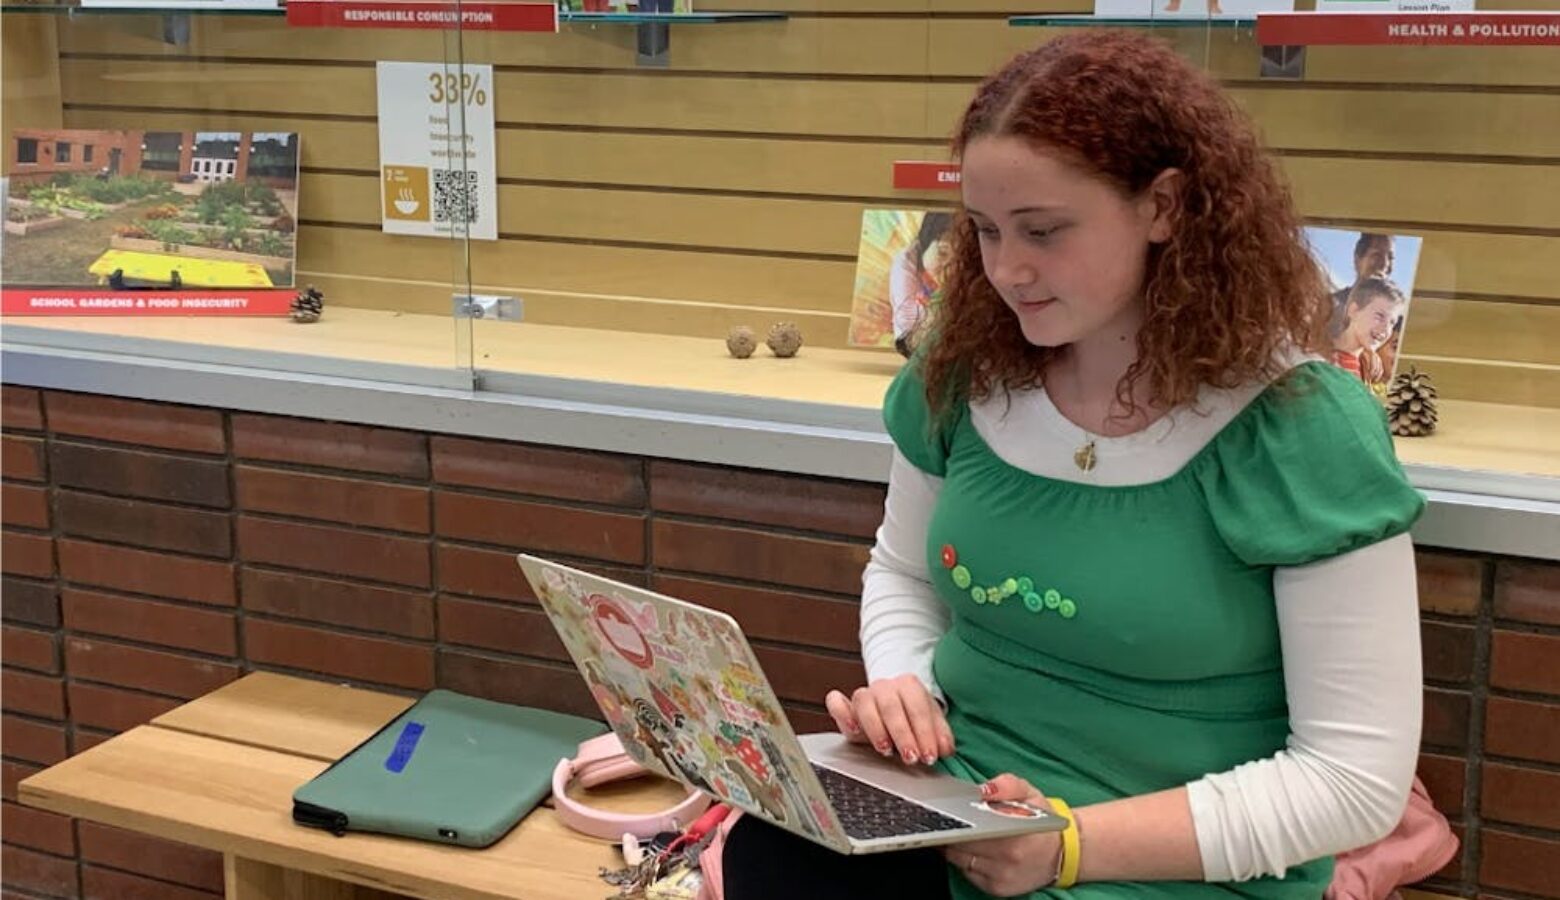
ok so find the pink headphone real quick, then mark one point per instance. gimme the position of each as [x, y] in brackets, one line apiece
[602, 760]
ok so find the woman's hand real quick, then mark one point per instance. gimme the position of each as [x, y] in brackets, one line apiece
[1007, 867]
[896, 716]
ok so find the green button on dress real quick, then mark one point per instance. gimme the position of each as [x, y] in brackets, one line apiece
[1140, 649]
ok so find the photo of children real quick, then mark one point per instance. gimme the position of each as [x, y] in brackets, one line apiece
[1372, 278]
[898, 276]
[150, 209]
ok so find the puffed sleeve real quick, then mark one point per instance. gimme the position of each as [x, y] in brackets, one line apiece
[1307, 472]
[919, 435]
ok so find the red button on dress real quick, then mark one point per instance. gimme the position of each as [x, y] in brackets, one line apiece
[950, 557]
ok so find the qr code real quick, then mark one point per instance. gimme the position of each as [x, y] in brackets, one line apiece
[454, 195]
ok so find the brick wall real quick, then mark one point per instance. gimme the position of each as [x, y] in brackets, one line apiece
[153, 552]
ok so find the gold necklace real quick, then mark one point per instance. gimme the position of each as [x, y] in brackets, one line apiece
[1084, 457]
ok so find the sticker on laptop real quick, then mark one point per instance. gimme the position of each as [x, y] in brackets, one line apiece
[1013, 809]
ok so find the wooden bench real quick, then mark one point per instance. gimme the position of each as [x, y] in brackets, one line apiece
[219, 773]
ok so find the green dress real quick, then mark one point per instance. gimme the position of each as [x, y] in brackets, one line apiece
[1108, 642]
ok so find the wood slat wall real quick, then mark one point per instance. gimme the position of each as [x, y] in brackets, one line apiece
[731, 184]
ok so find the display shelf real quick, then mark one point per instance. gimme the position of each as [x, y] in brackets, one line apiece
[1490, 473]
[704, 18]
[1503, 441]
[177, 18]
[653, 42]
[349, 340]
[172, 9]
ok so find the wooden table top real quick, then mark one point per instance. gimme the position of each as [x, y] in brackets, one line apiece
[219, 773]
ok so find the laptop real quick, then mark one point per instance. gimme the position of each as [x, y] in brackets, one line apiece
[680, 686]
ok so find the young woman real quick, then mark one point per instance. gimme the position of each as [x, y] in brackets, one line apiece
[1143, 551]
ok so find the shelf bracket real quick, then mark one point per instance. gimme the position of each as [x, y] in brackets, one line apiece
[654, 40]
[1285, 62]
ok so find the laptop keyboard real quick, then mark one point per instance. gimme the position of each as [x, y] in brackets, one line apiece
[866, 812]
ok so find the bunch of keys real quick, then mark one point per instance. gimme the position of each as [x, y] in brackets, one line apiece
[647, 863]
[662, 868]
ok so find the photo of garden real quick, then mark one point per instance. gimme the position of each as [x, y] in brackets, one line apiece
[128, 209]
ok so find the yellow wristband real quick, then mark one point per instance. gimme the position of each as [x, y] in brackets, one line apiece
[1067, 866]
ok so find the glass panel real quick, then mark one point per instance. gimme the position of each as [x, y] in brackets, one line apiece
[1446, 158]
[664, 184]
[220, 152]
[668, 178]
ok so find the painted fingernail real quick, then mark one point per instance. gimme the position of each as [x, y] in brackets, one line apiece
[851, 726]
[909, 757]
[930, 758]
[986, 789]
[883, 748]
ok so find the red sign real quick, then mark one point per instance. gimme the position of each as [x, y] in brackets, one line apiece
[1510, 29]
[915, 175]
[392, 14]
[46, 302]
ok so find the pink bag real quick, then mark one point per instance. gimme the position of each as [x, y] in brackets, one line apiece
[714, 887]
[1420, 845]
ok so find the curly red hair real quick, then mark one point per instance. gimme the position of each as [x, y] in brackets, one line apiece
[1233, 285]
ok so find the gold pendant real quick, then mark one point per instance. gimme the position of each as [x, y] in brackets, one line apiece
[1084, 457]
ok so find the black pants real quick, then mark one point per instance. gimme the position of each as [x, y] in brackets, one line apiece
[762, 862]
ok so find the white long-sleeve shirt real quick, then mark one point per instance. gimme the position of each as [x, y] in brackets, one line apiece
[1349, 632]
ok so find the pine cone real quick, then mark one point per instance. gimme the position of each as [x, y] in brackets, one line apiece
[1411, 404]
[308, 305]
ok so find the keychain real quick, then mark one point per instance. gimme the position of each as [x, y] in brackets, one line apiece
[665, 867]
[682, 884]
[648, 862]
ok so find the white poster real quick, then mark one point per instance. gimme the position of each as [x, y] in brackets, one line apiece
[1190, 9]
[203, 5]
[436, 150]
[1394, 6]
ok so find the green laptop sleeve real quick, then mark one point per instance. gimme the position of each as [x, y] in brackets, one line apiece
[452, 768]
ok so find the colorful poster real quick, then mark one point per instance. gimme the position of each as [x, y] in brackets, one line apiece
[438, 175]
[169, 210]
[1189, 9]
[1371, 276]
[898, 275]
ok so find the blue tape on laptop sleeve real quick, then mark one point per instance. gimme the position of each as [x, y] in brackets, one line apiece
[405, 746]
